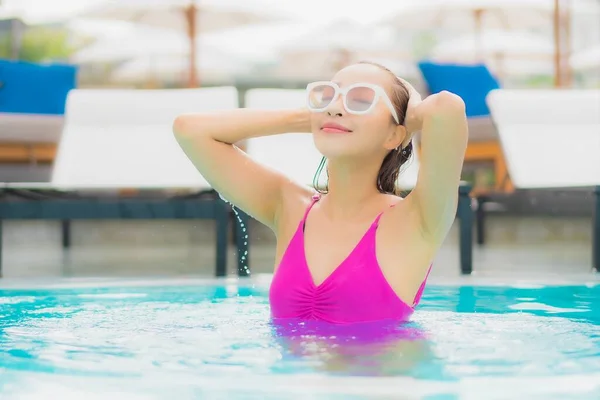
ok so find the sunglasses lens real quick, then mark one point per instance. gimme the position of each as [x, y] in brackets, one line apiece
[360, 98]
[320, 96]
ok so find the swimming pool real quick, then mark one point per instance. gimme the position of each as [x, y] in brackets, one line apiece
[206, 339]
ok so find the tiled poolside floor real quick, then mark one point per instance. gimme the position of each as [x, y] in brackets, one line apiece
[184, 249]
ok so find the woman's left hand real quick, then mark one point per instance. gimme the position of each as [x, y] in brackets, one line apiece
[413, 121]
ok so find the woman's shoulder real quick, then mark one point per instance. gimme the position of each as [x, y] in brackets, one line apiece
[394, 199]
[300, 196]
[295, 201]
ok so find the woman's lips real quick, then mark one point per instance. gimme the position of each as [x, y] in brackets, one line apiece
[331, 127]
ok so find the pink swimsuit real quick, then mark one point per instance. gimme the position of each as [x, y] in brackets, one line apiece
[356, 291]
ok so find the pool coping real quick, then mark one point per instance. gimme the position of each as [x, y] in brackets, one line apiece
[263, 280]
[310, 385]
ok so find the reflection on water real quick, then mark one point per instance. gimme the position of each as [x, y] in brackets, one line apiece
[173, 339]
[384, 348]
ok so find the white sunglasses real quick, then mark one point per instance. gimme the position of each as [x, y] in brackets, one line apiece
[359, 98]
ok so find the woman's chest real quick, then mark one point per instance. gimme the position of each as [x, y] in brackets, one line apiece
[327, 247]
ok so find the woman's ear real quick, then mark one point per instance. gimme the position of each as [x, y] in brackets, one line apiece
[397, 138]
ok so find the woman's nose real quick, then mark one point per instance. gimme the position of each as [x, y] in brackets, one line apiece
[336, 107]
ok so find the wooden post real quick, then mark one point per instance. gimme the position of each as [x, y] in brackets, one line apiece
[568, 71]
[190, 13]
[558, 82]
[478, 15]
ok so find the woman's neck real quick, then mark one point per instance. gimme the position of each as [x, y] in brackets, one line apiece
[351, 188]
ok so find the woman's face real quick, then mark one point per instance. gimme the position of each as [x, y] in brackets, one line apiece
[339, 133]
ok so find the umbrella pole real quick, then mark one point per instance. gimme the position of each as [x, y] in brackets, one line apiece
[478, 15]
[568, 49]
[557, 46]
[190, 13]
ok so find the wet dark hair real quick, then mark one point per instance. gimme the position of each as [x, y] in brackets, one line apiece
[395, 159]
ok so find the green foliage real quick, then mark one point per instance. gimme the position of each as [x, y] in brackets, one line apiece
[4, 46]
[423, 43]
[40, 44]
[539, 81]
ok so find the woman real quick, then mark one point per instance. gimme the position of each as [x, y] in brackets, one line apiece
[358, 252]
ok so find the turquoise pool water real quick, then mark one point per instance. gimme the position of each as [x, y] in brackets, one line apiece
[216, 341]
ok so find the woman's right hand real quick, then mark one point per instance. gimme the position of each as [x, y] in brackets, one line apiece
[232, 126]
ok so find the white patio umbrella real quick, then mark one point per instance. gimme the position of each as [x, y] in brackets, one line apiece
[326, 48]
[587, 59]
[134, 43]
[506, 52]
[211, 63]
[345, 34]
[479, 15]
[158, 54]
[188, 16]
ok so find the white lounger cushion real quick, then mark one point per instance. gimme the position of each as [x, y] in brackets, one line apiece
[550, 138]
[124, 139]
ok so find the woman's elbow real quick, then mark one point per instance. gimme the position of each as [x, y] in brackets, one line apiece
[450, 103]
[447, 116]
[444, 106]
[191, 126]
[181, 125]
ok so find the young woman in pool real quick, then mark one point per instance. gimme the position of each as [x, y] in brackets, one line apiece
[357, 252]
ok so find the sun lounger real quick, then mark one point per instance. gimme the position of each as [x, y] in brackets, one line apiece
[117, 140]
[295, 155]
[32, 103]
[473, 82]
[551, 140]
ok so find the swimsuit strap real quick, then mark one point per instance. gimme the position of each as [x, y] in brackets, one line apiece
[376, 222]
[421, 288]
[316, 197]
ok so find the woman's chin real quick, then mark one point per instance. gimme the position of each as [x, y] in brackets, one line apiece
[336, 147]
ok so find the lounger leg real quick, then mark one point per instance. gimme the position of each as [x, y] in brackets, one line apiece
[66, 234]
[222, 224]
[1, 249]
[480, 220]
[242, 239]
[465, 214]
[596, 231]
